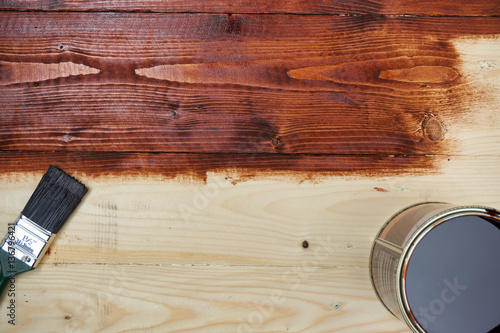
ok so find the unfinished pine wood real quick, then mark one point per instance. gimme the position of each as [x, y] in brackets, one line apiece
[128, 260]
[381, 7]
[227, 221]
[144, 298]
[239, 165]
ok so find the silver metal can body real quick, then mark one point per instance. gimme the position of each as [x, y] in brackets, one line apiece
[394, 246]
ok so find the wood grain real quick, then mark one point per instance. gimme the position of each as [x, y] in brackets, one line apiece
[214, 83]
[336, 7]
[144, 298]
[195, 167]
[233, 221]
[148, 254]
[241, 155]
[34, 72]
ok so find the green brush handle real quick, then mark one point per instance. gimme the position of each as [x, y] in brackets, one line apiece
[4, 281]
[9, 269]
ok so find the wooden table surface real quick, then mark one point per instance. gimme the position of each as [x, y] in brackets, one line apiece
[241, 155]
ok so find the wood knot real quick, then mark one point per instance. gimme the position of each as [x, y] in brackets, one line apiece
[349, 246]
[336, 306]
[433, 128]
[67, 138]
[275, 141]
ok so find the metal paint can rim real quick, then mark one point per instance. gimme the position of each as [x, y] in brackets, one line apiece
[377, 237]
[410, 245]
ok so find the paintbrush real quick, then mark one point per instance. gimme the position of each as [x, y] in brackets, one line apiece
[53, 201]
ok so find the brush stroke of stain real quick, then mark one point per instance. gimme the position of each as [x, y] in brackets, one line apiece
[106, 227]
[434, 95]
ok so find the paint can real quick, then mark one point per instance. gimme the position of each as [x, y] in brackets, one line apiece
[436, 266]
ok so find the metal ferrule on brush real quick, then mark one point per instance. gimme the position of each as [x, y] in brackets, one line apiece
[27, 241]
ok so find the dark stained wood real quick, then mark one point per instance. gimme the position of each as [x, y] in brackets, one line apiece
[292, 86]
[130, 41]
[381, 7]
[237, 167]
[230, 84]
[290, 90]
[155, 118]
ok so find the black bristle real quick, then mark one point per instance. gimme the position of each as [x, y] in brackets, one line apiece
[54, 200]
